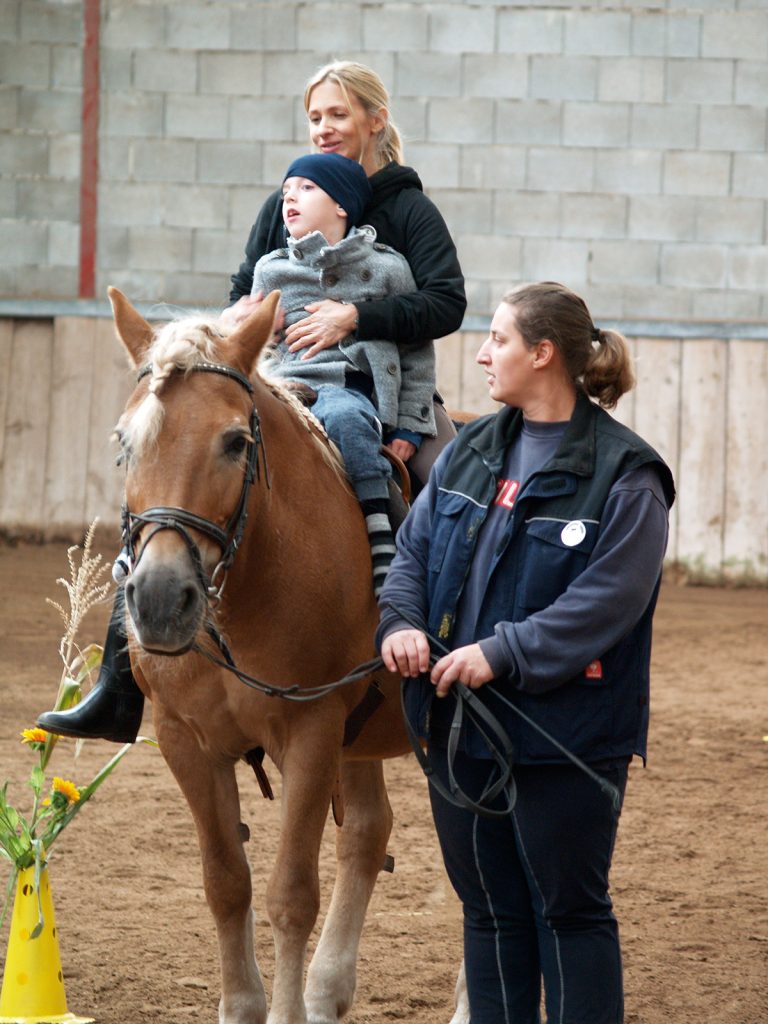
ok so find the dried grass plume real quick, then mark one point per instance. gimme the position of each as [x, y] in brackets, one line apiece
[85, 588]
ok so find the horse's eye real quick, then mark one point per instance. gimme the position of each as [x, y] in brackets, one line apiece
[235, 445]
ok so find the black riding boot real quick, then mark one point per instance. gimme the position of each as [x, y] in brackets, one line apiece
[113, 708]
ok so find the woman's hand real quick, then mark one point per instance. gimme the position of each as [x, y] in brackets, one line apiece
[326, 325]
[406, 651]
[467, 665]
[242, 309]
[245, 306]
[404, 450]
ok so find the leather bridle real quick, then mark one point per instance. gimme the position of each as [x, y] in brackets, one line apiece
[170, 517]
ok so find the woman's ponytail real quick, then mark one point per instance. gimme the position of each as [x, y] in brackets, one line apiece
[608, 373]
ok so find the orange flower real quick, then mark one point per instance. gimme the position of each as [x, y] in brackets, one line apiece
[67, 789]
[33, 735]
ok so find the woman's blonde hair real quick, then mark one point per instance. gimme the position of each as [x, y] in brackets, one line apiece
[358, 81]
[597, 360]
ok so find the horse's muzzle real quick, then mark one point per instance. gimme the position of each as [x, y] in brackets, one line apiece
[166, 605]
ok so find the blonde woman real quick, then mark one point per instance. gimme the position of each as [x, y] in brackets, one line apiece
[348, 112]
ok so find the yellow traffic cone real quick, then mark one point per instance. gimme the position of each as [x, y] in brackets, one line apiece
[33, 982]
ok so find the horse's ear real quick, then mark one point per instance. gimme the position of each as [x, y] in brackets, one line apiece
[245, 343]
[132, 329]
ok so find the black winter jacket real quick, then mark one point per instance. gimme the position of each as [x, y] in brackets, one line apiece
[409, 222]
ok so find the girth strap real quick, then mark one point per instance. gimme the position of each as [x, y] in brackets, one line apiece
[255, 759]
[360, 714]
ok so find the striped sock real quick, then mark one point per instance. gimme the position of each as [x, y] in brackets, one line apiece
[382, 542]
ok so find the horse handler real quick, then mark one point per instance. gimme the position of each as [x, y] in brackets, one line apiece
[534, 555]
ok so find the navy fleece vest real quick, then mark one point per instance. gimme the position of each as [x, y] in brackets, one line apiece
[594, 716]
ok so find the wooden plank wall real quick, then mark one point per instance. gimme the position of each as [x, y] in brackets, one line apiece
[63, 385]
[703, 403]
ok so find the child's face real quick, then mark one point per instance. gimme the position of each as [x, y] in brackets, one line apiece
[306, 207]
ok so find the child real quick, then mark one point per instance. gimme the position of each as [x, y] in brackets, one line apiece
[362, 387]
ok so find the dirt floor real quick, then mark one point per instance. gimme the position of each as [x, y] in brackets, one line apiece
[690, 877]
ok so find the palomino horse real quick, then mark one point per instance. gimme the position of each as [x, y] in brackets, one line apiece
[208, 444]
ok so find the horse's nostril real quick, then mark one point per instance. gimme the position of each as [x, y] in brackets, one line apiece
[130, 597]
[187, 600]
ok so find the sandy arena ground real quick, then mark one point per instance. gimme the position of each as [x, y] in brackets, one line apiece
[690, 877]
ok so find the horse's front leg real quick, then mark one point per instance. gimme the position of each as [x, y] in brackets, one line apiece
[211, 791]
[309, 768]
[361, 845]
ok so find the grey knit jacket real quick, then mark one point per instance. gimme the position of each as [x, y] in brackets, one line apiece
[356, 269]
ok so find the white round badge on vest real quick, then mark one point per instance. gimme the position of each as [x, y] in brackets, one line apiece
[573, 533]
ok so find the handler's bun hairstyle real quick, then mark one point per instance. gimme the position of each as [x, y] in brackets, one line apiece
[358, 81]
[597, 360]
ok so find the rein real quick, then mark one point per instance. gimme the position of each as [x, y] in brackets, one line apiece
[500, 747]
[179, 519]
[294, 692]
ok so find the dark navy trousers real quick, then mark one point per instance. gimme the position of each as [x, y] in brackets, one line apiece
[534, 888]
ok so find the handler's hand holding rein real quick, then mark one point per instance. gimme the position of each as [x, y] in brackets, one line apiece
[467, 665]
[407, 651]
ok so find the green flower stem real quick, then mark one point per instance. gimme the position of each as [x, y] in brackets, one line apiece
[36, 789]
[8, 836]
[55, 827]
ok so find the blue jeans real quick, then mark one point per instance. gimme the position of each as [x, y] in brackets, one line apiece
[534, 888]
[351, 421]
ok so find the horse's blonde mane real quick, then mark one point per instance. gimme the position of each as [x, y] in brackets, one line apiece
[182, 344]
[330, 453]
[186, 342]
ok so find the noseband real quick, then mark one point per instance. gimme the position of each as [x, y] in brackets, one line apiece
[180, 520]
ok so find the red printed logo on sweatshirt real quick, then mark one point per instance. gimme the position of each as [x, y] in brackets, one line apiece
[594, 670]
[506, 492]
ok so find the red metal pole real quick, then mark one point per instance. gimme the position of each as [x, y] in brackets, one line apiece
[89, 151]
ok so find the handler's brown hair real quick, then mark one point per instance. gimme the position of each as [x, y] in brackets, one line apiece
[597, 360]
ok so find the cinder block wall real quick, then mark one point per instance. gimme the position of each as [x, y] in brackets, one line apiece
[621, 149]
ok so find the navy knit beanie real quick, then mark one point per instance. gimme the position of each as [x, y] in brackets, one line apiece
[343, 179]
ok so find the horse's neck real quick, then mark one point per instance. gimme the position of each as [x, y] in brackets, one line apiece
[306, 533]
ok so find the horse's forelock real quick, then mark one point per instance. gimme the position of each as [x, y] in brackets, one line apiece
[182, 344]
[143, 427]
